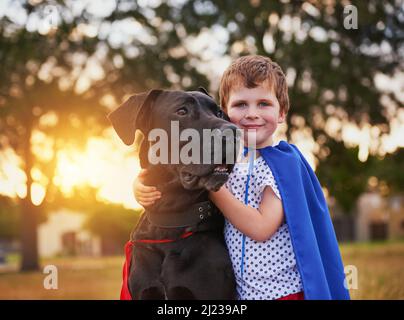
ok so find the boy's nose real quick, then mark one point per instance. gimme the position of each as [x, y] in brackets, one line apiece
[251, 113]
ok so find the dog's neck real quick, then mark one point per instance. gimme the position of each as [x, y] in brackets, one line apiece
[175, 198]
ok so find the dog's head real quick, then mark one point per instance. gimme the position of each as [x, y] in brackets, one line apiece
[174, 112]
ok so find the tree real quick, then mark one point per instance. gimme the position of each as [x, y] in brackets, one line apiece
[26, 97]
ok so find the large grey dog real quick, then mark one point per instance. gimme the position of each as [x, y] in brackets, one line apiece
[177, 250]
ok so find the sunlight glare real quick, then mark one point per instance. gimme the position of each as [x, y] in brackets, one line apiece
[37, 193]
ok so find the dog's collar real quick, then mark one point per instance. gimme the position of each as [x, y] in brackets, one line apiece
[189, 218]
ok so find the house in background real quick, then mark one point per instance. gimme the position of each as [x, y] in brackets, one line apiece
[376, 218]
[379, 218]
[63, 234]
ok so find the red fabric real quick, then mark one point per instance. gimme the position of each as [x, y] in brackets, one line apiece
[294, 296]
[125, 294]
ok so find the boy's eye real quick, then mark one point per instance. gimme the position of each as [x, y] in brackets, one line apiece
[181, 111]
[264, 104]
[240, 105]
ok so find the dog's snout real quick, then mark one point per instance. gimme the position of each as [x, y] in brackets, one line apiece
[229, 141]
[228, 127]
[229, 132]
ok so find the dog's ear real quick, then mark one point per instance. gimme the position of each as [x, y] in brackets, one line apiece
[203, 90]
[132, 115]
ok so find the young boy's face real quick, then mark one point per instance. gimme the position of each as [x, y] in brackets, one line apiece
[257, 111]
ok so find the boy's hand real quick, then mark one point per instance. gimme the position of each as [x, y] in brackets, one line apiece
[216, 196]
[144, 195]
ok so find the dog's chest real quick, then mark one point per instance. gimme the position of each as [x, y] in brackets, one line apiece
[146, 231]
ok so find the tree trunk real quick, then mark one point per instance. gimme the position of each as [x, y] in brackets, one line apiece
[29, 237]
[29, 213]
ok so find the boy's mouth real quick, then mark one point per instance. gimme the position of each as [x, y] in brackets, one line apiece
[249, 127]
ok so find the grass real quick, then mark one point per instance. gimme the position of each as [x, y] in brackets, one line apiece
[380, 269]
[78, 278]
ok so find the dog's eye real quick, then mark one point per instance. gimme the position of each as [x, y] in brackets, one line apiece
[182, 111]
[219, 114]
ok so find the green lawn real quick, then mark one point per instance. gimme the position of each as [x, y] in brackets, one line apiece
[380, 275]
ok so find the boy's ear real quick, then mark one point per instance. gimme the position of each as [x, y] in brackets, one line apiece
[282, 117]
[133, 114]
[203, 90]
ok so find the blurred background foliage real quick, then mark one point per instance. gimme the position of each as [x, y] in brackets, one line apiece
[65, 64]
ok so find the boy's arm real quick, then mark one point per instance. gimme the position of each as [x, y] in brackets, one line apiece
[259, 224]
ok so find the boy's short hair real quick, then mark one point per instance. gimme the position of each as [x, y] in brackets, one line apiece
[251, 71]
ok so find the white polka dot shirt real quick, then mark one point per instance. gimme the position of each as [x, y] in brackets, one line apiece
[270, 270]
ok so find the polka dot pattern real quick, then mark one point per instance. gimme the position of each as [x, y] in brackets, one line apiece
[270, 270]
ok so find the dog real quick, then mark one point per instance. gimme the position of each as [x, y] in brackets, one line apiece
[177, 250]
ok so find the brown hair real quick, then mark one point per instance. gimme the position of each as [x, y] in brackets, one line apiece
[251, 71]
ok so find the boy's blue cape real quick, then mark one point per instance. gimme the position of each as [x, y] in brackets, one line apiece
[311, 230]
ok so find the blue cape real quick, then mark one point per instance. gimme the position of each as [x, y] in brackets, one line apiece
[311, 230]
